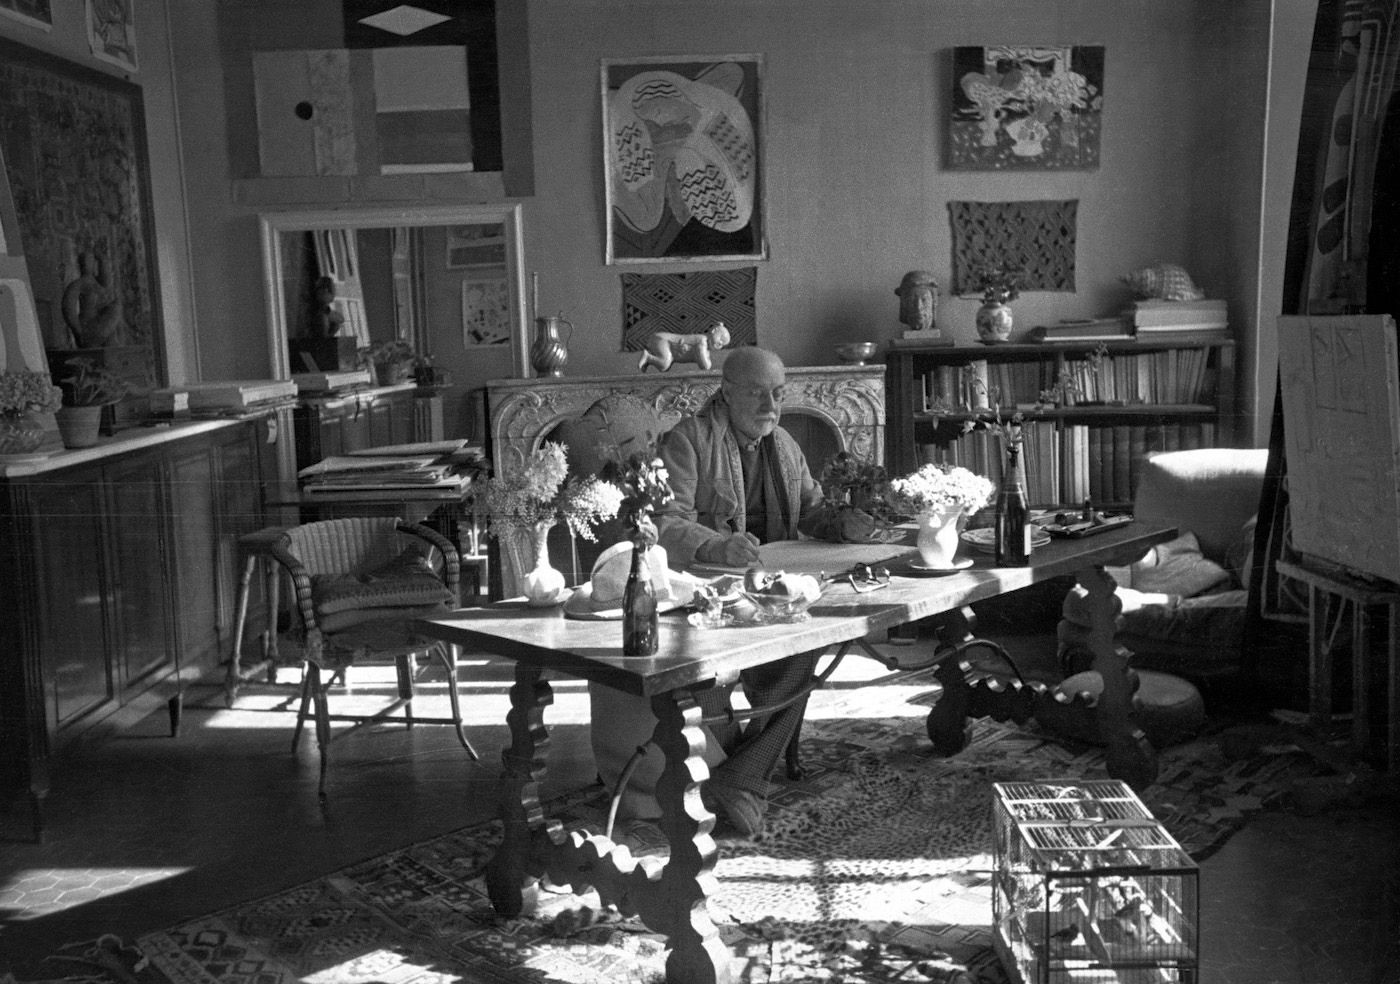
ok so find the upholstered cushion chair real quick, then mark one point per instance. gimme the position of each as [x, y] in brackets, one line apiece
[1184, 603]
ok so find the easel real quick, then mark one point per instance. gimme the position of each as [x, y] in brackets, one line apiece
[1324, 589]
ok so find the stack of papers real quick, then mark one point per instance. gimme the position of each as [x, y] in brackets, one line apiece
[355, 472]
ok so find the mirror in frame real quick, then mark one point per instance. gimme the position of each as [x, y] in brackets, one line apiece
[423, 274]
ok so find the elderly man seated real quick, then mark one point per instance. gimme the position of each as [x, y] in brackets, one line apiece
[739, 480]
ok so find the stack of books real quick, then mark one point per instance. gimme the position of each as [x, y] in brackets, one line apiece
[313, 383]
[377, 473]
[1164, 321]
[1074, 330]
[223, 398]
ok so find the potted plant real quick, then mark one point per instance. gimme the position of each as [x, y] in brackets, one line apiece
[24, 392]
[999, 286]
[87, 389]
[392, 361]
[854, 494]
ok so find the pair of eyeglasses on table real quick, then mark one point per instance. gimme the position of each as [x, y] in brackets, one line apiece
[861, 577]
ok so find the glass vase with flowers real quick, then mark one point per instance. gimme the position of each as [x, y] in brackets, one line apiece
[23, 393]
[532, 499]
[645, 488]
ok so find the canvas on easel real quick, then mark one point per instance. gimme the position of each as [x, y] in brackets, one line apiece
[1341, 408]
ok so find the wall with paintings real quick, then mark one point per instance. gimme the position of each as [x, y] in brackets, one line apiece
[138, 52]
[854, 144]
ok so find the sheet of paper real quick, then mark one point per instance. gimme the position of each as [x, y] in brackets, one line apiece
[815, 556]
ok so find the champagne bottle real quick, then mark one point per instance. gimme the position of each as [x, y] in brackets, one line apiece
[639, 620]
[1013, 529]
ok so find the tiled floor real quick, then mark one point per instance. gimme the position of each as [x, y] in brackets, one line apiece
[144, 830]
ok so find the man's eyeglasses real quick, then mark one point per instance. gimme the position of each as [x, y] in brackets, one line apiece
[861, 577]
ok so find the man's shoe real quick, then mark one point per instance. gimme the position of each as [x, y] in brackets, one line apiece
[740, 808]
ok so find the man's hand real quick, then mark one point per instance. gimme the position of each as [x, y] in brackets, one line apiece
[734, 550]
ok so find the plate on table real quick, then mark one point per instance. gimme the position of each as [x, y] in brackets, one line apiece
[924, 570]
[984, 538]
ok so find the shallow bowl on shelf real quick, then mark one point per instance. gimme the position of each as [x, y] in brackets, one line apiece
[856, 353]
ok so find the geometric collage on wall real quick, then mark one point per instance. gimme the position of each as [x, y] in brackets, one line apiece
[687, 303]
[1035, 237]
[1027, 107]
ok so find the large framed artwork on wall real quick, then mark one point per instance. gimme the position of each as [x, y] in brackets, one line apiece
[74, 147]
[683, 158]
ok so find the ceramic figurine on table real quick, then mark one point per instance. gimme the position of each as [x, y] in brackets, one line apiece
[665, 348]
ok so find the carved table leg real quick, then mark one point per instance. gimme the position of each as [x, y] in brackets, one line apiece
[1129, 756]
[512, 876]
[677, 903]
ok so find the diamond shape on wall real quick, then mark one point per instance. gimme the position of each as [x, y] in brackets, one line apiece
[404, 20]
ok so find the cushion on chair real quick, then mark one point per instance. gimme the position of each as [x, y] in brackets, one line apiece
[1167, 708]
[393, 620]
[1197, 637]
[1210, 491]
[1177, 567]
[406, 581]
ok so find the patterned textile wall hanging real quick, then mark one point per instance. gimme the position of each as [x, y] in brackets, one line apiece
[1036, 237]
[685, 303]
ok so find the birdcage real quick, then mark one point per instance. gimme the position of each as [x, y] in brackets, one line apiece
[1090, 888]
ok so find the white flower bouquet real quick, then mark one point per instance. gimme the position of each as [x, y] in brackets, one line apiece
[939, 488]
[543, 492]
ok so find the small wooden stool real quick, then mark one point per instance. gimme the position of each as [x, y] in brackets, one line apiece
[254, 549]
[1363, 597]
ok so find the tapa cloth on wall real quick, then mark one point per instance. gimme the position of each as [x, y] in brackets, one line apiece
[1029, 107]
[1036, 237]
[685, 303]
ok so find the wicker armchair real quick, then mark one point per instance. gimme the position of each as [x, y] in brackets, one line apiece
[358, 586]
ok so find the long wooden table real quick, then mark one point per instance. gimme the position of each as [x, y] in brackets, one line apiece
[670, 895]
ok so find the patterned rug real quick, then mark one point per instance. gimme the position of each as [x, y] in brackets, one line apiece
[874, 868]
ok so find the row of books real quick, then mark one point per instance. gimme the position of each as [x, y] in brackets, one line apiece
[235, 396]
[1170, 376]
[1064, 464]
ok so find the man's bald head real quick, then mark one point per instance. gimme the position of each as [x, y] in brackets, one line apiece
[753, 382]
[749, 363]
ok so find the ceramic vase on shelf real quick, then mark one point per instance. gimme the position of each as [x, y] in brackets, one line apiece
[20, 434]
[544, 585]
[938, 538]
[993, 322]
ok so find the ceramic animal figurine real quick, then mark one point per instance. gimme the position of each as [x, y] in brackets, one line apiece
[665, 348]
[1166, 281]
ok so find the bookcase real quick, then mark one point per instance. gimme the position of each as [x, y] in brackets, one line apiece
[1129, 398]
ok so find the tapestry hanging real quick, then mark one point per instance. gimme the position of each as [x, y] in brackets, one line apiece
[1027, 107]
[1036, 239]
[688, 303]
[683, 167]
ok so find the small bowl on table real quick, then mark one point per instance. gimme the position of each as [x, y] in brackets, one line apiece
[857, 353]
[776, 607]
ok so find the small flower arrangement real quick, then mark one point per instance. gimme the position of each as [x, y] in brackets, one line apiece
[25, 391]
[645, 488]
[544, 492]
[939, 488]
[998, 284]
[90, 385]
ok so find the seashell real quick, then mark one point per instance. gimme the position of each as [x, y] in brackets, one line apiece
[1166, 281]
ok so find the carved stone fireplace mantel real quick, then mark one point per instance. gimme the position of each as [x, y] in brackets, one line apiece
[849, 400]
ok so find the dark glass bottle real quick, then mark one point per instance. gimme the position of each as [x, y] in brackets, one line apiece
[639, 633]
[1013, 527]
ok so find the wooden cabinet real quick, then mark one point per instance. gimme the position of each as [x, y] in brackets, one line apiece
[120, 571]
[1129, 398]
[331, 425]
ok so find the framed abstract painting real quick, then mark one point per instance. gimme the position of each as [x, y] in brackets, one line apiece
[683, 164]
[1026, 107]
